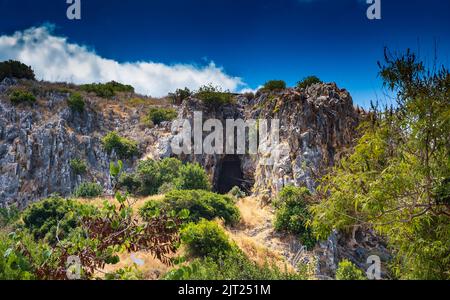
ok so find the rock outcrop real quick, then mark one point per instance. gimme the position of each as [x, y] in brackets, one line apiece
[315, 125]
[38, 141]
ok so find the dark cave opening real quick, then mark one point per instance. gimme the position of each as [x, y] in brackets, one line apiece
[230, 174]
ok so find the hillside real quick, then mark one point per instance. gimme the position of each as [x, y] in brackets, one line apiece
[40, 141]
[310, 187]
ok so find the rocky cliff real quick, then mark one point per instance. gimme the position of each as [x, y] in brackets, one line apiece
[316, 124]
[38, 141]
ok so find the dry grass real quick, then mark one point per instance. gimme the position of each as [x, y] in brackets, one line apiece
[253, 213]
[258, 252]
[150, 267]
[255, 235]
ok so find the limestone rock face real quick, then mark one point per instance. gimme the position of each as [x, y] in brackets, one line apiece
[38, 141]
[315, 125]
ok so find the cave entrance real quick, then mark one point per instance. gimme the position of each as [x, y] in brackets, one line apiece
[230, 174]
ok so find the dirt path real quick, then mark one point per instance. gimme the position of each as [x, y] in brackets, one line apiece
[256, 235]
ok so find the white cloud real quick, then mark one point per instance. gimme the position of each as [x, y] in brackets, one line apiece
[249, 90]
[53, 58]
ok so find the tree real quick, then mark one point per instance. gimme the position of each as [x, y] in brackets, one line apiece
[393, 181]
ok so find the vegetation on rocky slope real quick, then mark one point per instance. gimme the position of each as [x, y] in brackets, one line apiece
[15, 69]
[396, 179]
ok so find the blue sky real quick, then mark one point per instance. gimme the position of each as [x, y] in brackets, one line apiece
[249, 41]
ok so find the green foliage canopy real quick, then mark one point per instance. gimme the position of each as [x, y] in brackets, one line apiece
[15, 69]
[391, 181]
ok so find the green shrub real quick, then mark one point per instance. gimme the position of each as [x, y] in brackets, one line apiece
[21, 96]
[192, 177]
[150, 178]
[78, 166]
[130, 182]
[51, 218]
[206, 239]
[150, 175]
[348, 271]
[201, 205]
[292, 214]
[15, 69]
[213, 96]
[234, 266]
[166, 187]
[308, 81]
[274, 85]
[107, 90]
[237, 192]
[159, 115]
[127, 273]
[76, 102]
[169, 169]
[124, 147]
[14, 265]
[180, 95]
[88, 190]
[8, 215]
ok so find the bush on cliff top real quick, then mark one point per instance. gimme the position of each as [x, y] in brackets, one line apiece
[15, 69]
[107, 90]
[213, 96]
[274, 85]
[308, 81]
[180, 95]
